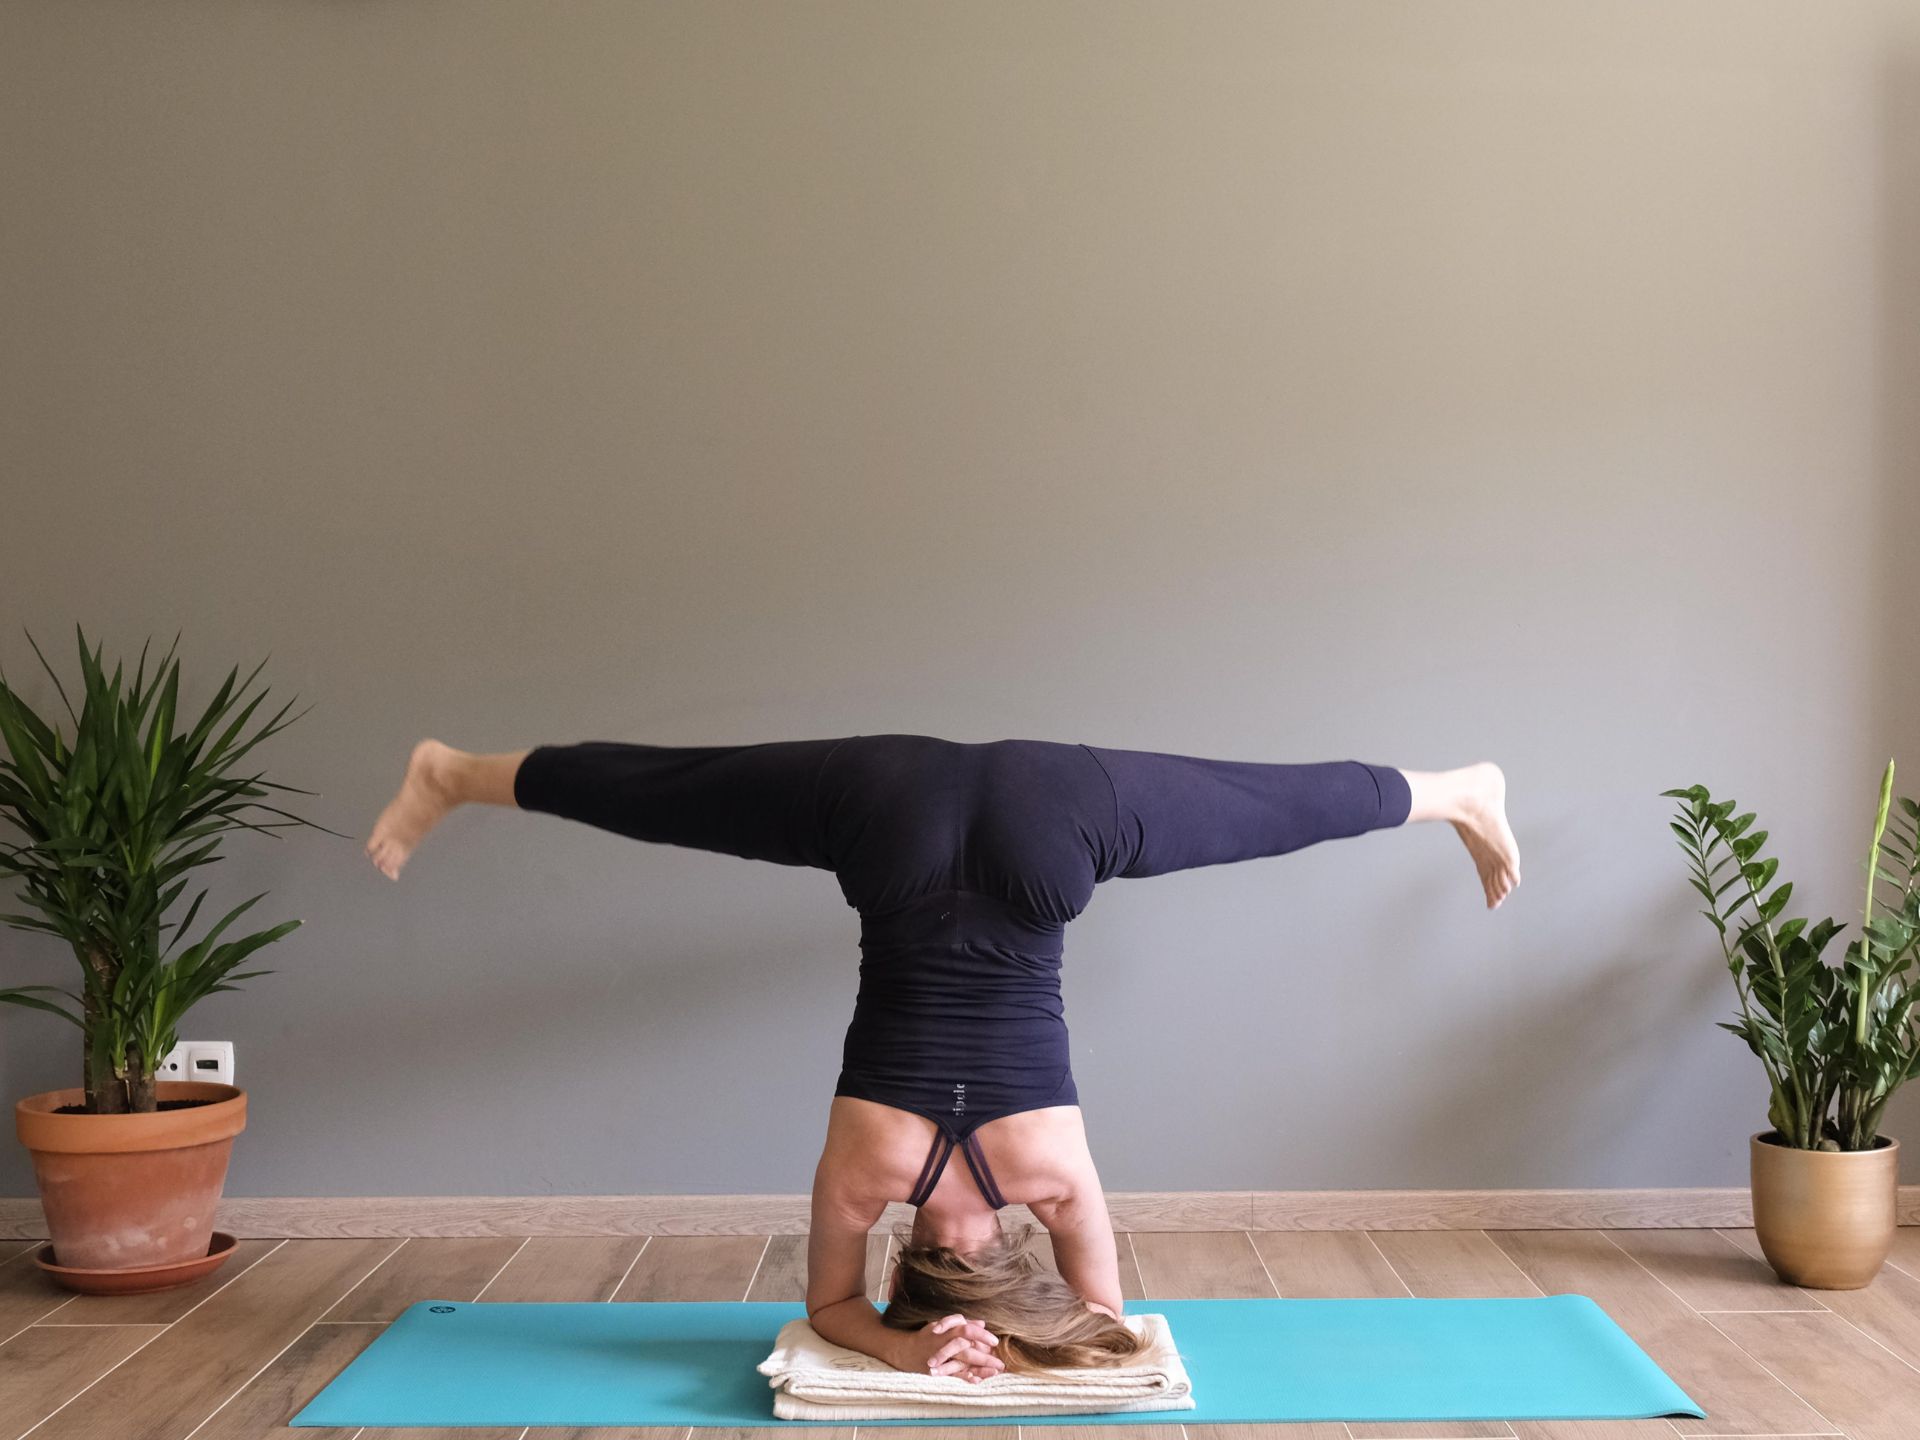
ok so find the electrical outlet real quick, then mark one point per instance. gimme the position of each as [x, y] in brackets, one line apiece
[198, 1060]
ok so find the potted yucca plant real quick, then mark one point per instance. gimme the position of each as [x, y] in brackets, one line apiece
[1836, 1041]
[114, 822]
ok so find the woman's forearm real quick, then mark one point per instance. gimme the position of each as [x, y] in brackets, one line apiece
[1084, 1251]
[855, 1324]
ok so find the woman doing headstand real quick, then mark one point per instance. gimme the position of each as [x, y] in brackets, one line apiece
[965, 863]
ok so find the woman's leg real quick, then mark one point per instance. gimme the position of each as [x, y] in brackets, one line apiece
[438, 778]
[1176, 812]
[755, 801]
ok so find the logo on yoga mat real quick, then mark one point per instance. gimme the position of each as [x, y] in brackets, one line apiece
[441, 1309]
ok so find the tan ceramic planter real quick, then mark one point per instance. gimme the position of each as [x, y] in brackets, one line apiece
[131, 1190]
[1824, 1218]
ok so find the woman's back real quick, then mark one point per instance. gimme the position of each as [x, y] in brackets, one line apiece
[874, 1154]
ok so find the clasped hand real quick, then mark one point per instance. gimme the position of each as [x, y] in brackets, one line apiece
[952, 1345]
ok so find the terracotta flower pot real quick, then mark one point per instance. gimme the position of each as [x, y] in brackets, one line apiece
[131, 1190]
[1824, 1218]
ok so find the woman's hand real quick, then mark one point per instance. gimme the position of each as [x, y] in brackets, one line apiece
[952, 1345]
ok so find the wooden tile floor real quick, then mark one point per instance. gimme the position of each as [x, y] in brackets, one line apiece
[238, 1352]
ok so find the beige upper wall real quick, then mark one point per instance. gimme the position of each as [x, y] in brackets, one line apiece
[1414, 382]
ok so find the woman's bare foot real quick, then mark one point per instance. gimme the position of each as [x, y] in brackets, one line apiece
[1481, 822]
[426, 795]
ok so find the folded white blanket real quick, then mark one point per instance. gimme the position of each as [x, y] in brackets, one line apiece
[813, 1379]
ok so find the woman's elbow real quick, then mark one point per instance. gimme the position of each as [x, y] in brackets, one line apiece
[814, 1310]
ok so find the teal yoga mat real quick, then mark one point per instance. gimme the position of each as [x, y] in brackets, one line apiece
[443, 1362]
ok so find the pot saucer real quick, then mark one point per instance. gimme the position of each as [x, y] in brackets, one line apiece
[133, 1280]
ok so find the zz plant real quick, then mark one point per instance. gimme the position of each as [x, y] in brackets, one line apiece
[1836, 1041]
[116, 822]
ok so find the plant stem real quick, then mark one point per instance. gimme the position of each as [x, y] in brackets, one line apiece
[105, 1094]
[141, 1095]
[1802, 1119]
[1741, 991]
[1866, 918]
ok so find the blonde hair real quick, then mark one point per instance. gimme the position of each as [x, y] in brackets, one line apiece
[1041, 1321]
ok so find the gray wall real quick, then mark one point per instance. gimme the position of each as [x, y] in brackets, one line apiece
[1267, 381]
